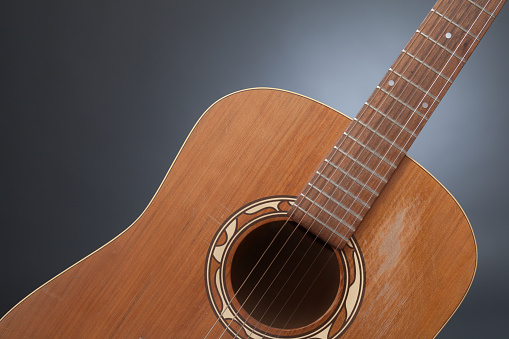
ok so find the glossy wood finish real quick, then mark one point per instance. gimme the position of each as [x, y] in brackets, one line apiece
[418, 247]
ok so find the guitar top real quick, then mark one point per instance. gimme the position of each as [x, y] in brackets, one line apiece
[282, 218]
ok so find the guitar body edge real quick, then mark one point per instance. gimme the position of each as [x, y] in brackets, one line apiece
[418, 250]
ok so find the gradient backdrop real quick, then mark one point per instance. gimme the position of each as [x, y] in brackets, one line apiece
[98, 96]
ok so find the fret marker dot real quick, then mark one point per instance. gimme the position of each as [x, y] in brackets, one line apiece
[448, 35]
[391, 83]
[425, 105]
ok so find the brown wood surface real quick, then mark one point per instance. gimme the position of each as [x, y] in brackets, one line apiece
[374, 143]
[418, 247]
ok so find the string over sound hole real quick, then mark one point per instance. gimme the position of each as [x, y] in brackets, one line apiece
[295, 282]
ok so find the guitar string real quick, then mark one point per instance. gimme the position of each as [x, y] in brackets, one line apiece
[309, 267]
[441, 91]
[395, 140]
[309, 285]
[284, 264]
[482, 29]
[302, 276]
[249, 274]
[229, 303]
[262, 297]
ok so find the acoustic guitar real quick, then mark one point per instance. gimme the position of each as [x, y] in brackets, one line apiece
[283, 218]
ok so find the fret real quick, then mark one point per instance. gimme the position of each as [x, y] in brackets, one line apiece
[428, 66]
[391, 120]
[345, 191]
[455, 24]
[357, 168]
[323, 209]
[349, 210]
[423, 48]
[357, 180]
[456, 40]
[381, 147]
[415, 85]
[398, 93]
[389, 149]
[441, 46]
[337, 203]
[482, 8]
[361, 164]
[467, 14]
[414, 110]
[365, 157]
[350, 142]
[394, 132]
[492, 6]
[419, 74]
[372, 151]
[348, 175]
[320, 222]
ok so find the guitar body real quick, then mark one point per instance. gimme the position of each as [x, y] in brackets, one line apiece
[410, 266]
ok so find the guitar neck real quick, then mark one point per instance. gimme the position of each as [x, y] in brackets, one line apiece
[351, 177]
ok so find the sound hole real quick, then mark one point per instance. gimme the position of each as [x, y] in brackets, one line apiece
[297, 289]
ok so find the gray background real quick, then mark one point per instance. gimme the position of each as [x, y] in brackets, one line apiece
[97, 97]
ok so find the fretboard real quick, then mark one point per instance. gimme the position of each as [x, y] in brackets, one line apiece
[355, 171]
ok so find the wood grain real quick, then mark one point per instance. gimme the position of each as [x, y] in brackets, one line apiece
[418, 247]
[374, 143]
